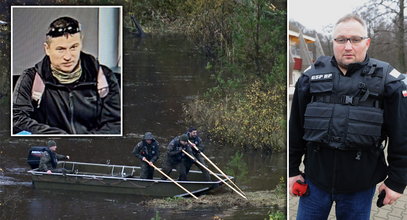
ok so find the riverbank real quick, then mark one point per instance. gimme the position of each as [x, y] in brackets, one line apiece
[258, 199]
[272, 202]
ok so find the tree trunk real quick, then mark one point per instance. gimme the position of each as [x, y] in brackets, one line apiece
[400, 37]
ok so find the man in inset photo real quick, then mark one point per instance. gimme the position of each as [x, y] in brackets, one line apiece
[68, 91]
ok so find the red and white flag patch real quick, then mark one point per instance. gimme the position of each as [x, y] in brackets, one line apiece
[404, 93]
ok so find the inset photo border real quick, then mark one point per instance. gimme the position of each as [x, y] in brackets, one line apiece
[66, 71]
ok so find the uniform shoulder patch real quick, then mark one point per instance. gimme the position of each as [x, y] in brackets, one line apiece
[395, 73]
[404, 93]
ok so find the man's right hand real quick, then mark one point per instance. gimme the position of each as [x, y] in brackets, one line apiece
[145, 160]
[194, 146]
[291, 182]
[49, 171]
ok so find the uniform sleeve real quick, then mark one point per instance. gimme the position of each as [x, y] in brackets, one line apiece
[296, 144]
[44, 161]
[60, 156]
[136, 151]
[23, 108]
[172, 151]
[188, 149]
[395, 126]
[110, 119]
[201, 146]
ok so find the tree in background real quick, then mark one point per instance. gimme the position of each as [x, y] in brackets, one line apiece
[246, 107]
[386, 27]
[386, 23]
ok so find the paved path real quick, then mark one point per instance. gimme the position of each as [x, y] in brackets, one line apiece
[397, 211]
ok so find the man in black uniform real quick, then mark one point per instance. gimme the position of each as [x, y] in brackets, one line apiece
[197, 141]
[49, 159]
[68, 92]
[148, 151]
[343, 108]
[176, 158]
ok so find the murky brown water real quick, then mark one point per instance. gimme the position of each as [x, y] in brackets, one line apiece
[161, 74]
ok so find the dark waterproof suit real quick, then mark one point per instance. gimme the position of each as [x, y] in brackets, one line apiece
[75, 108]
[49, 161]
[176, 158]
[150, 151]
[198, 142]
[339, 122]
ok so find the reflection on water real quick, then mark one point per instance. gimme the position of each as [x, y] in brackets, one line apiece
[161, 74]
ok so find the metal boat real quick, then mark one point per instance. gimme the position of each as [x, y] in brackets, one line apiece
[120, 179]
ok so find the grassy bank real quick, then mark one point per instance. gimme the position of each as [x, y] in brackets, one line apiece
[273, 200]
[251, 117]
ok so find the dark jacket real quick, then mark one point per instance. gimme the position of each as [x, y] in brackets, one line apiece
[49, 160]
[339, 171]
[174, 153]
[150, 151]
[198, 142]
[75, 108]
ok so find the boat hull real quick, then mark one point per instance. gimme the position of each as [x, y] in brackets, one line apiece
[118, 179]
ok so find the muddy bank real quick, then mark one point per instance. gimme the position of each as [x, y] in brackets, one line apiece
[268, 198]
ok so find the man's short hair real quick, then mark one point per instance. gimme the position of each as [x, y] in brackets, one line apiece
[62, 26]
[350, 17]
[191, 129]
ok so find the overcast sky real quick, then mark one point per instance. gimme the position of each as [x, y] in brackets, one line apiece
[316, 14]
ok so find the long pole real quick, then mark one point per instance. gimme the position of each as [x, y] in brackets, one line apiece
[211, 172]
[168, 177]
[217, 168]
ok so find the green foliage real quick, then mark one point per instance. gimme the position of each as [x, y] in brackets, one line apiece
[278, 215]
[157, 216]
[254, 117]
[237, 167]
[173, 199]
[258, 35]
[281, 188]
[207, 24]
[247, 106]
[155, 15]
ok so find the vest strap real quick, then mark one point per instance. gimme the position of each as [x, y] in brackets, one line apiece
[38, 86]
[347, 100]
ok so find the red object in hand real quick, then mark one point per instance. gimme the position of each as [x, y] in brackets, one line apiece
[300, 188]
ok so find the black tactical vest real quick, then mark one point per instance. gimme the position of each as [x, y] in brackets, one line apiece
[149, 151]
[345, 112]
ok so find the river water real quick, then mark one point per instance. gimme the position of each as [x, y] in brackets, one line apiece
[161, 74]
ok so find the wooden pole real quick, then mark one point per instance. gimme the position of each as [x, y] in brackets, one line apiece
[211, 172]
[226, 176]
[168, 177]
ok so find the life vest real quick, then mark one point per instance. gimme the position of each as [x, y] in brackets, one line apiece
[38, 87]
[345, 112]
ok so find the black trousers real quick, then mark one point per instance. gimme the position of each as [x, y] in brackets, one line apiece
[199, 158]
[147, 172]
[178, 165]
